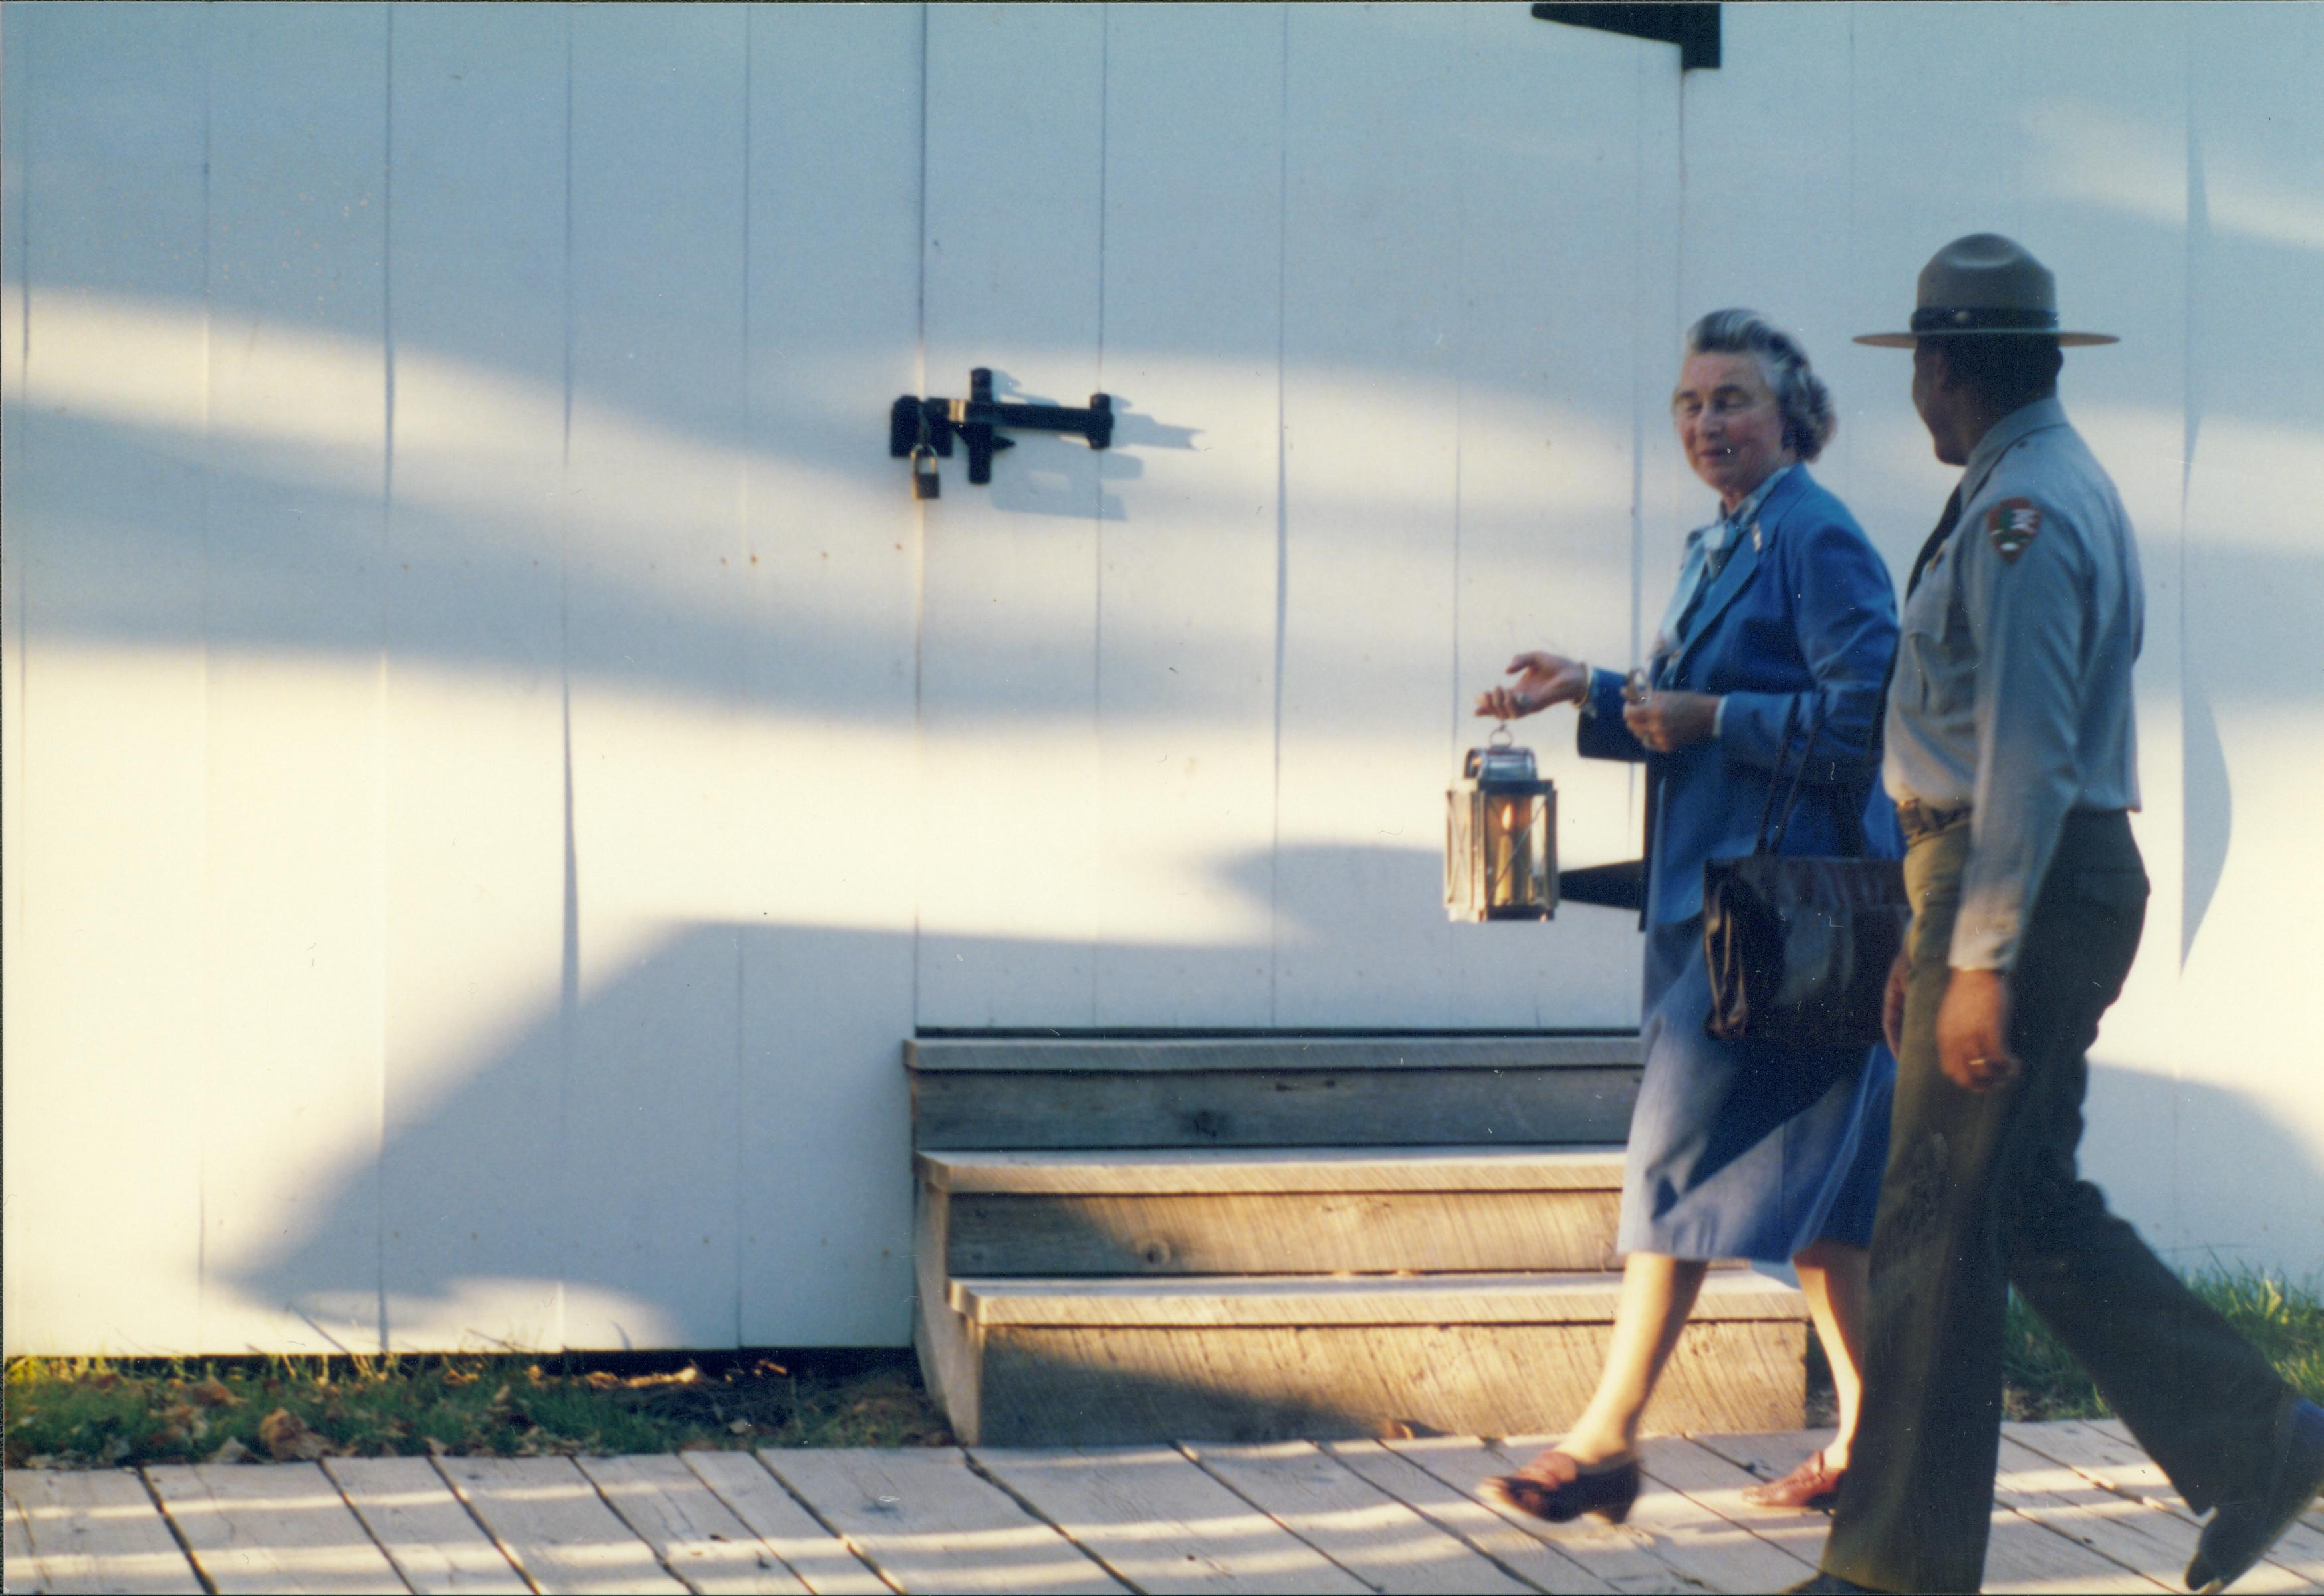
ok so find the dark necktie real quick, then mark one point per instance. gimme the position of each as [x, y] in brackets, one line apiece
[1945, 524]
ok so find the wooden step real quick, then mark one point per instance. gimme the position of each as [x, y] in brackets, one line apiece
[1273, 1211]
[1121, 1361]
[1275, 1091]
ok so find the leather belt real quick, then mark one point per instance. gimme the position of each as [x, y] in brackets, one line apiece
[1920, 819]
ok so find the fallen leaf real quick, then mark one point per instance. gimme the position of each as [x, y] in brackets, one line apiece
[232, 1451]
[456, 1377]
[603, 1380]
[108, 1381]
[937, 1438]
[742, 1427]
[286, 1437]
[114, 1450]
[436, 1448]
[211, 1393]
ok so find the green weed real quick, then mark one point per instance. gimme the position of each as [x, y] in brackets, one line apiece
[83, 1411]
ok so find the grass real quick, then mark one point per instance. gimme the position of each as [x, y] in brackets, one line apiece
[92, 1411]
[79, 1412]
[2042, 1380]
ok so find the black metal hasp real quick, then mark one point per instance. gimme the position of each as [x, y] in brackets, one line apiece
[921, 429]
[1692, 25]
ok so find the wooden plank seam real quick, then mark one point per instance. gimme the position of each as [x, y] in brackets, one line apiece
[362, 1523]
[976, 1467]
[1196, 1458]
[185, 1547]
[436, 1462]
[833, 1530]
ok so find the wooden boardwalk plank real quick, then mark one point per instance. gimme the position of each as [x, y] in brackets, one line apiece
[17, 1569]
[2102, 1451]
[1626, 1558]
[549, 1519]
[421, 1526]
[697, 1537]
[820, 1558]
[1162, 1524]
[2143, 1539]
[1354, 1523]
[90, 1531]
[1713, 1485]
[278, 1528]
[927, 1523]
[1454, 1511]
[2023, 1554]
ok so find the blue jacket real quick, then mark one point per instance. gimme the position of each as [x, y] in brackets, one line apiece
[1802, 616]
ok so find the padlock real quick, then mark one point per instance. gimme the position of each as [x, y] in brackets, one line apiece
[925, 483]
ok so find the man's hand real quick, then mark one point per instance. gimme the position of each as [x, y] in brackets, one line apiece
[1542, 679]
[1973, 1031]
[1667, 722]
[1892, 1001]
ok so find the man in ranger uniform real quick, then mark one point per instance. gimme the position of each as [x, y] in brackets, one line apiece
[2009, 754]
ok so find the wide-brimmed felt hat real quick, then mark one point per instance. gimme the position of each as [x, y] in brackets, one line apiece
[1984, 286]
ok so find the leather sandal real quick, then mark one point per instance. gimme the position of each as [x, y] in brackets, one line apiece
[1811, 1487]
[1556, 1487]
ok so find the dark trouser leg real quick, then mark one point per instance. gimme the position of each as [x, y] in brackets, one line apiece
[1981, 1189]
[2198, 1398]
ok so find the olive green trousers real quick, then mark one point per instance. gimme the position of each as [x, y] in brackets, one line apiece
[1981, 1193]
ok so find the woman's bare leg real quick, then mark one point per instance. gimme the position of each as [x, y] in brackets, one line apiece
[1658, 1293]
[1838, 1280]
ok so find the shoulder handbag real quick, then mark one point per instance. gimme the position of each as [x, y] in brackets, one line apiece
[1798, 949]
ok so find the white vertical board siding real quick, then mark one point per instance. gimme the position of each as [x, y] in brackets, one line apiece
[2153, 156]
[833, 807]
[473, 1219]
[1564, 337]
[2105, 185]
[15, 82]
[1187, 531]
[104, 286]
[658, 606]
[2249, 1134]
[291, 1104]
[1015, 151]
[1371, 355]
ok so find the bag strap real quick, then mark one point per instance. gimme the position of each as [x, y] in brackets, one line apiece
[1759, 844]
[1799, 778]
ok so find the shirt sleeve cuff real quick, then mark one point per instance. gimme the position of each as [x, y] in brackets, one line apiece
[1986, 941]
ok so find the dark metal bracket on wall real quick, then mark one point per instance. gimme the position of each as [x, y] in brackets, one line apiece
[1693, 28]
[921, 431]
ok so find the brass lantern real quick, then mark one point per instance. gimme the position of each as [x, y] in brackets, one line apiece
[1500, 838]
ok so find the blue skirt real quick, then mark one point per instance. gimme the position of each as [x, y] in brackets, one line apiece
[1729, 1157]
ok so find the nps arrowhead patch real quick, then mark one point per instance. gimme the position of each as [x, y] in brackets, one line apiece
[2010, 526]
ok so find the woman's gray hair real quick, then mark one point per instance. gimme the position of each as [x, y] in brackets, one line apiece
[1800, 394]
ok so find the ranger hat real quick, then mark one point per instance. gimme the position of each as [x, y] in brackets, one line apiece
[1984, 286]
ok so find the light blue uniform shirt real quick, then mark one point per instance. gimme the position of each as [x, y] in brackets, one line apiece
[2012, 691]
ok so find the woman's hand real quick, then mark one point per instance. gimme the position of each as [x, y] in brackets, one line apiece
[1892, 1001]
[1668, 721]
[1542, 679]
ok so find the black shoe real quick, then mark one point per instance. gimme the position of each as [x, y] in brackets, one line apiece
[1830, 1585]
[2240, 1532]
[1558, 1488]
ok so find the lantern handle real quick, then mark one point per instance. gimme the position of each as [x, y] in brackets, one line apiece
[1501, 737]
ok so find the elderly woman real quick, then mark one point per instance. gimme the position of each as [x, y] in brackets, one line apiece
[1783, 615]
